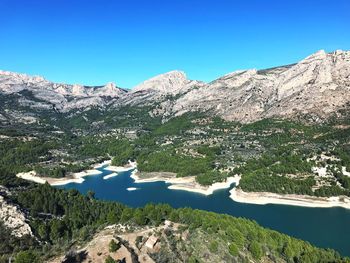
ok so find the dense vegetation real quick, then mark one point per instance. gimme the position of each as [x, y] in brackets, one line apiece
[264, 174]
[291, 148]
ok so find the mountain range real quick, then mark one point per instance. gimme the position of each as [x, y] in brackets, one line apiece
[316, 88]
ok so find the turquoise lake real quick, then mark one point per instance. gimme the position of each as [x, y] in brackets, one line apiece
[323, 227]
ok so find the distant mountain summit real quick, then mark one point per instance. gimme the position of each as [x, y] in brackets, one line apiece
[171, 82]
[317, 87]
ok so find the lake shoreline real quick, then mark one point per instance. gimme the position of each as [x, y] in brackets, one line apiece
[264, 198]
[76, 177]
[189, 184]
[259, 198]
[184, 183]
[118, 169]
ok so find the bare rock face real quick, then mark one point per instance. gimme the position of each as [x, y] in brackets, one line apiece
[318, 86]
[169, 83]
[14, 219]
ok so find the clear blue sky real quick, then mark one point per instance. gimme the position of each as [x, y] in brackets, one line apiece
[94, 42]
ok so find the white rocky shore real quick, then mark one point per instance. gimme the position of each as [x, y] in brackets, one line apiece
[264, 198]
[131, 165]
[104, 163]
[184, 183]
[119, 169]
[77, 177]
[74, 178]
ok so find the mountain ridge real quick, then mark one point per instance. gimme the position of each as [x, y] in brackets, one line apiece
[317, 86]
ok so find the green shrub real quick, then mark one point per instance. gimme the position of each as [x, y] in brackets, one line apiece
[113, 246]
[27, 257]
[233, 249]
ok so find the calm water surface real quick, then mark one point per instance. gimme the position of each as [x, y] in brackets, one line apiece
[324, 227]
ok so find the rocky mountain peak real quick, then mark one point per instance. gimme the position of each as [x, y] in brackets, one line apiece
[321, 54]
[110, 86]
[170, 82]
[78, 90]
[108, 90]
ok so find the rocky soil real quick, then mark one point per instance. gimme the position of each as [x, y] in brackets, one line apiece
[13, 218]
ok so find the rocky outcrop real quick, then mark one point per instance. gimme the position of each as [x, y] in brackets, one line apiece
[13, 218]
[173, 82]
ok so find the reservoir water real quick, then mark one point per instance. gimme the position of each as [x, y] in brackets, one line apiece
[323, 227]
